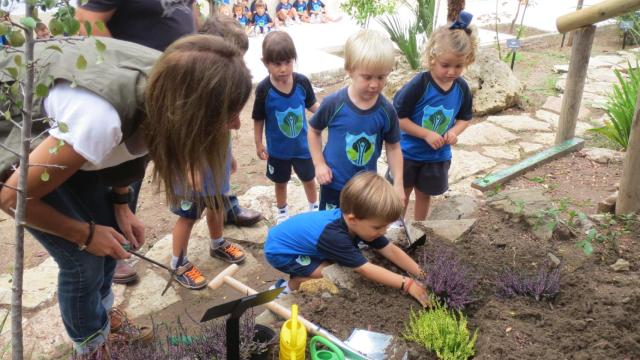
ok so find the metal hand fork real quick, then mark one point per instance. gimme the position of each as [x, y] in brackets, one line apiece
[171, 271]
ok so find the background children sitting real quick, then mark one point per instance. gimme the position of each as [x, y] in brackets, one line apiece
[261, 21]
[300, 6]
[286, 13]
[305, 244]
[434, 108]
[281, 99]
[359, 120]
[239, 15]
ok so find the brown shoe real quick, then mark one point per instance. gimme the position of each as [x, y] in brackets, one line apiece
[125, 331]
[125, 273]
[240, 216]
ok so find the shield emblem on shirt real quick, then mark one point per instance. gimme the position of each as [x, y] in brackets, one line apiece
[437, 119]
[360, 148]
[290, 121]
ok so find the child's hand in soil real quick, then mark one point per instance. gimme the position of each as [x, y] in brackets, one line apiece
[420, 293]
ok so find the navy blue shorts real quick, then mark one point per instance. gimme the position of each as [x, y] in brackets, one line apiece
[431, 178]
[329, 198]
[193, 209]
[295, 266]
[279, 170]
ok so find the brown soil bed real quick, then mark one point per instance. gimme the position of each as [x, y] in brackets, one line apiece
[595, 316]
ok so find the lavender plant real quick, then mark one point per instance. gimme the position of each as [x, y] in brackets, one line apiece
[545, 284]
[448, 279]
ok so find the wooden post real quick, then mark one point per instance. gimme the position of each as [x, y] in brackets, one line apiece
[595, 13]
[572, 98]
[629, 193]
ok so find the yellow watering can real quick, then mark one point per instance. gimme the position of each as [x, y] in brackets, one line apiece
[293, 337]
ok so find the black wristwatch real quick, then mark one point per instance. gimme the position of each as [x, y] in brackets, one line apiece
[120, 199]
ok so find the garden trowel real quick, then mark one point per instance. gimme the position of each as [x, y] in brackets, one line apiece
[413, 244]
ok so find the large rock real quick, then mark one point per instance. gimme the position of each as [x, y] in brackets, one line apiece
[485, 133]
[146, 297]
[602, 155]
[499, 88]
[40, 285]
[44, 335]
[341, 276]
[263, 199]
[529, 148]
[452, 230]
[467, 163]
[519, 123]
[525, 204]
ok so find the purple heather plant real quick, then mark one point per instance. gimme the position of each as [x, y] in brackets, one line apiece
[209, 342]
[545, 284]
[447, 277]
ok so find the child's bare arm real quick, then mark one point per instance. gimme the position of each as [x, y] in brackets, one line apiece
[394, 158]
[451, 136]
[323, 172]
[261, 151]
[431, 137]
[401, 259]
[385, 277]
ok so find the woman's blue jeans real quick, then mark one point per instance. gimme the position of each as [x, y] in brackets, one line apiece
[84, 280]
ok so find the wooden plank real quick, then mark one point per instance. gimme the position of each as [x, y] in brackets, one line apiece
[595, 13]
[502, 176]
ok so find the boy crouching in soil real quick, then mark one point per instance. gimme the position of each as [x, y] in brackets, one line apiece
[303, 245]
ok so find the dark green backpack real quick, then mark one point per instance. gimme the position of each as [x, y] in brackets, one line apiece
[118, 74]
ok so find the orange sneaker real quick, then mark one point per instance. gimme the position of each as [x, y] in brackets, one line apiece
[190, 277]
[228, 252]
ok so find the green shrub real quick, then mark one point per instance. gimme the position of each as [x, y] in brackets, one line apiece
[363, 10]
[633, 18]
[621, 106]
[441, 331]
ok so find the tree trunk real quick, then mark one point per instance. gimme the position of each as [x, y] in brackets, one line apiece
[515, 18]
[453, 9]
[629, 194]
[20, 215]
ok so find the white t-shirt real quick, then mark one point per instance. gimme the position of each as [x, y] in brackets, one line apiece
[93, 127]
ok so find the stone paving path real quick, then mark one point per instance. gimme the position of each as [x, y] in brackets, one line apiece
[484, 147]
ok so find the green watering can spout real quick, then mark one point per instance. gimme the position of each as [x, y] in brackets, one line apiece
[334, 352]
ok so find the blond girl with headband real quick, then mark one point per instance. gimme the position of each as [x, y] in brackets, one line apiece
[434, 109]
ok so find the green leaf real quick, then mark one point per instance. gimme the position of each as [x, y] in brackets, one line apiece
[5, 28]
[87, 28]
[81, 63]
[100, 46]
[17, 60]
[100, 25]
[42, 90]
[29, 22]
[44, 176]
[587, 248]
[64, 128]
[53, 150]
[7, 115]
[13, 72]
[72, 26]
[54, 48]
[49, 3]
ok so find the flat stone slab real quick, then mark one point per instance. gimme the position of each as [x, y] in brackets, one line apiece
[528, 147]
[341, 276]
[508, 152]
[485, 133]
[605, 61]
[263, 199]
[554, 120]
[454, 208]
[145, 298]
[519, 123]
[524, 204]
[467, 163]
[561, 69]
[554, 104]
[452, 230]
[43, 334]
[604, 75]
[39, 287]
[543, 138]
